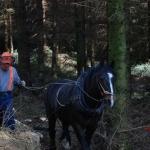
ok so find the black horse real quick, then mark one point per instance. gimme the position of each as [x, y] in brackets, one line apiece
[80, 103]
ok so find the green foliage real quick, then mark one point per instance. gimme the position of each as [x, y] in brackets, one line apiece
[141, 70]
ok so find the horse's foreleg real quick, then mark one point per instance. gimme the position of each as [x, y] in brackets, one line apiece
[80, 136]
[65, 137]
[88, 134]
[51, 122]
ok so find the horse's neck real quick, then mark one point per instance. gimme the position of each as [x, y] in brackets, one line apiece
[91, 88]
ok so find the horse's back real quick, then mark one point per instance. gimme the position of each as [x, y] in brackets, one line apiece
[58, 92]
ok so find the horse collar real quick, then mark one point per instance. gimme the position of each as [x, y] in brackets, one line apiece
[80, 102]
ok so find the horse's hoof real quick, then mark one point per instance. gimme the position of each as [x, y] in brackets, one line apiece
[65, 144]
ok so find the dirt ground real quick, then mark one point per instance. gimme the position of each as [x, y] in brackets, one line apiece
[140, 113]
[29, 107]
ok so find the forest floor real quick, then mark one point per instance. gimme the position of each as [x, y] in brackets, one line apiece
[29, 106]
[139, 123]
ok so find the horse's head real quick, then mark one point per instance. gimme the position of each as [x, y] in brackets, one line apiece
[105, 78]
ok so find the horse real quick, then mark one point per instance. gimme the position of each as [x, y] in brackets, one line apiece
[80, 103]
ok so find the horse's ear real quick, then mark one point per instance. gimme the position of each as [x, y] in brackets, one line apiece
[112, 65]
[101, 64]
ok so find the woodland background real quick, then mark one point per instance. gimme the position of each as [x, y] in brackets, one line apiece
[58, 38]
[77, 28]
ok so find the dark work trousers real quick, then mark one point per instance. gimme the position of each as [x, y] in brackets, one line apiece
[6, 111]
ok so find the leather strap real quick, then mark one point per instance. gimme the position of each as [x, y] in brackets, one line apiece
[11, 78]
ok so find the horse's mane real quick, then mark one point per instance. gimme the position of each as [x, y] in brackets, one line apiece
[97, 67]
[92, 70]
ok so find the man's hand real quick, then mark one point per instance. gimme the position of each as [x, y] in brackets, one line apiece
[23, 83]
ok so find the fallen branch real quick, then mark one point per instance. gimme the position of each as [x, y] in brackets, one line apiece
[133, 129]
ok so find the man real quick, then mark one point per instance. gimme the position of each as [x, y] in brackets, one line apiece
[8, 78]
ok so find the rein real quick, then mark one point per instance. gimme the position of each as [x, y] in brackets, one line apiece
[71, 83]
[88, 94]
[72, 99]
[41, 87]
[104, 91]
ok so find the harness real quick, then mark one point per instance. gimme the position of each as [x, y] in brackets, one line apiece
[58, 94]
[80, 102]
[10, 78]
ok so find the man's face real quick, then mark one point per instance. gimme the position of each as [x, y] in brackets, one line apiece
[5, 66]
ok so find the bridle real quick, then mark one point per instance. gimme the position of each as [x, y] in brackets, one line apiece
[104, 91]
[107, 94]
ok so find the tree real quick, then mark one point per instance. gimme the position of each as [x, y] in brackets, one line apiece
[6, 31]
[80, 35]
[23, 51]
[10, 11]
[90, 42]
[40, 41]
[6, 25]
[55, 46]
[148, 48]
[118, 51]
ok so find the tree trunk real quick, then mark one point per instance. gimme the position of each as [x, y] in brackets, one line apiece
[23, 52]
[44, 4]
[10, 32]
[40, 41]
[119, 52]
[90, 43]
[55, 47]
[148, 45]
[92, 53]
[6, 31]
[80, 35]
